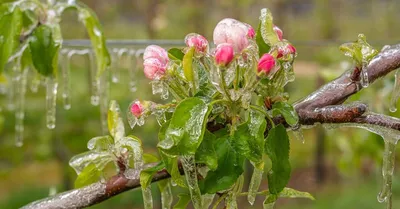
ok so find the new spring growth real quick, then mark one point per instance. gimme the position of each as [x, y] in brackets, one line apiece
[265, 65]
[198, 41]
[224, 54]
[288, 49]
[278, 32]
[155, 62]
[136, 108]
[233, 32]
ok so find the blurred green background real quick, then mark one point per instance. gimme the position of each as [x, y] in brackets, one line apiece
[341, 168]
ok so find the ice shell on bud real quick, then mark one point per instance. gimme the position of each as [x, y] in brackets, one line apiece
[233, 32]
[156, 52]
[266, 64]
[154, 68]
[136, 109]
[224, 54]
[278, 32]
[285, 50]
[250, 32]
[198, 41]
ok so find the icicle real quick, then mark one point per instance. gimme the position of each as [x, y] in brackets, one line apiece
[207, 200]
[65, 70]
[159, 87]
[133, 68]
[20, 108]
[231, 201]
[35, 80]
[189, 166]
[103, 99]
[94, 80]
[387, 172]
[51, 98]
[298, 133]
[364, 76]
[269, 205]
[147, 198]
[254, 184]
[11, 91]
[395, 92]
[115, 68]
[166, 196]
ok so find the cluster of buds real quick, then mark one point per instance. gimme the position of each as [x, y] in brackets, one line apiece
[155, 62]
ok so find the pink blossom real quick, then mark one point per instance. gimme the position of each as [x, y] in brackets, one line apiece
[266, 64]
[278, 32]
[233, 32]
[154, 68]
[155, 62]
[197, 41]
[137, 109]
[157, 52]
[289, 49]
[224, 54]
[250, 32]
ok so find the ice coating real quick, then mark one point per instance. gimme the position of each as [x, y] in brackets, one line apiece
[80, 161]
[153, 68]
[19, 80]
[395, 92]
[94, 80]
[133, 64]
[233, 32]
[266, 64]
[387, 173]
[278, 32]
[166, 196]
[224, 54]
[198, 41]
[51, 98]
[255, 183]
[189, 166]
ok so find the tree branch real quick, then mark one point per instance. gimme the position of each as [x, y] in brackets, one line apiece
[321, 106]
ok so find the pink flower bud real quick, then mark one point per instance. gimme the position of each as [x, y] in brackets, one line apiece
[278, 32]
[137, 109]
[266, 64]
[156, 52]
[154, 68]
[250, 32]
[233, 32]
[224, 54]
[283, 51]
[197, 41]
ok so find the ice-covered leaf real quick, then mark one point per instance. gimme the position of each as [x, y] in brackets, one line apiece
[11, 26]
[44, 50]
[115, 122]
[277, 147]
[230, 167]
[186, 128]
[183, 201]
[149, 158]
[249, 137]
[292, 193]
[269, 201]
[266, 29]
[287, 111]
[262, 46]
[100, 143]
[89, 175]
[175, 54]
[146, 175]
[95, 31]
[134, 147]
[360, 51]
[188, 65]
[80, 161]
[206, 151]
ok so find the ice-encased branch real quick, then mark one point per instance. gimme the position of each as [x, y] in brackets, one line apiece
[321, 106]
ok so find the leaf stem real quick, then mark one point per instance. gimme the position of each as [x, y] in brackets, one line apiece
[219, 200]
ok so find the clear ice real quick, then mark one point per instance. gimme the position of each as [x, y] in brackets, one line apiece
[254, 185]
[166, 196]
[51, 99]
[395, 92]
[189, 166]
[387, 173]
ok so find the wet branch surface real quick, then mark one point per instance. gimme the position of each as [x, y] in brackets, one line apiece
[322, 106]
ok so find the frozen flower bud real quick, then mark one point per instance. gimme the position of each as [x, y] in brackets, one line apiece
[266, 64]
[136, 109]
[233, 32]
[278, 32]
[156, 52]
[153, 68]
[286, 50]
[198, 41]
[224, 54]
[250, 32]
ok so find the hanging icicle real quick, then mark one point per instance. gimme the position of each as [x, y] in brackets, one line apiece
[189, 166]
[395, 92]
[207, 200]
[35, 79]
[51, 98]
[254, 184]
[387, 173]
[20, 90]
[94, 80]
[364, 76]
[65, 70]
[103, 99]
[166, 196]
[133, 68]
[115, 66]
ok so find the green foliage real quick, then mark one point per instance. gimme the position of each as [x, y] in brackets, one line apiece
[175, 54]
[183, 201]
[360, 51]
[146, 175]
[44, 51]
[206, 152]
[287, 111]
[88, 176]
[277, 148]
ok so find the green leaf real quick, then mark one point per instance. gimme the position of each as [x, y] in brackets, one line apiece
[100, 143]
[186, 128]
[146, 175]
[277, 147]
[230, 167]
[262, 46]
[115, 122]
[149, 158]
[249, 137]
[175, 54]
[183, 201]
[95, 31]
[360, 51]
[10, 31]
[206, 151]
[292, 193]
[269, 201]
[44, 51]
[287, 111]
[188, 65]
[89, 175]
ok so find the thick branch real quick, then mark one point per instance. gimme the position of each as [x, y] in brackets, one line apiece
[322, 106]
